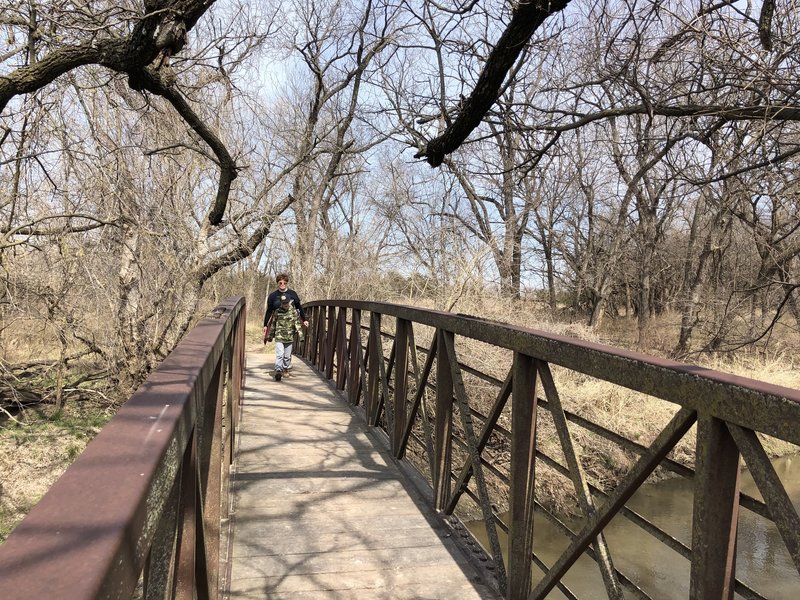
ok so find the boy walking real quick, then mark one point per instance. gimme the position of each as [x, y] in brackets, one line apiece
[273, 303]
[285, 322]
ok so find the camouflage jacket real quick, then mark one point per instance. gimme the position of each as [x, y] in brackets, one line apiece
[285, 322]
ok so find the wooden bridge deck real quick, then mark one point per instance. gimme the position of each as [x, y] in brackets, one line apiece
[322, 511]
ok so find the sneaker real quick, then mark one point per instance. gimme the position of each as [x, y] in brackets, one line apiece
[278, 375]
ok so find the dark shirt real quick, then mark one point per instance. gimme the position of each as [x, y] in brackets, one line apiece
[274, 303]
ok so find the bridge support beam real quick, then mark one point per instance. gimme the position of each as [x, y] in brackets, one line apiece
[354, 374]
[374, 366]
[523, 461]
[443, 434]
[716, 511]
[400, 386]
[341, 348]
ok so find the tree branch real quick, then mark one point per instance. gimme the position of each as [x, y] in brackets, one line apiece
[245, 247]
[30, 229]
[765, 23]
[124, 55]
[151, 81]
[526, 19]
[731, 113]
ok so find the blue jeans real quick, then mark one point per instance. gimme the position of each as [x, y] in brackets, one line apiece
[283, 356]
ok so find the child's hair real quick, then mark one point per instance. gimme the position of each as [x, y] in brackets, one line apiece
[282, 277]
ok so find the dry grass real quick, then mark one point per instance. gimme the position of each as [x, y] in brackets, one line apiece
[26, 340]
[253, 337]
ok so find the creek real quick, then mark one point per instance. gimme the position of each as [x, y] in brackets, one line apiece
[763, 562]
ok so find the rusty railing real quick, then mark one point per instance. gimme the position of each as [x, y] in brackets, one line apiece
[140, 510]
[371, 353]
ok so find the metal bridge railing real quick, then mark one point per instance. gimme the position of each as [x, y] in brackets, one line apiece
[143, 504]
[380, 365]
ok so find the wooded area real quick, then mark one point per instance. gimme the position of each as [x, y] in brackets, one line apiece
[606, 159]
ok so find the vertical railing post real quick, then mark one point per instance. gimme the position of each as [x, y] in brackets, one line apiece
[240, 379]
[341, 348]
[443, 433]
[311, 335]
[319, 342]
[333, 334]
[235, 385]
[374, 368]
[401, 366]
[240, 345]
[320, 362]
[521, 475]
[159, 569]
[211, 472]
[323, 341]
[354, 374]
[226, 459]
[302, 348]
[183, 584]
[716, 511]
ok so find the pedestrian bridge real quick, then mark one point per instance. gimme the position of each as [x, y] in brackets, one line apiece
[351, 478]
[321, 510]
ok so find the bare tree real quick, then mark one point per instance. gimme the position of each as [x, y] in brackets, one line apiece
[440, 262]
[637, 80]
[337, 43]
[113, 99]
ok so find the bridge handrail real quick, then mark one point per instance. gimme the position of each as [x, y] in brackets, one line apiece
[146, 497]
[739, 399]
[727, 409]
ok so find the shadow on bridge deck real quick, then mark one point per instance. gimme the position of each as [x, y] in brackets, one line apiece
[321, 509]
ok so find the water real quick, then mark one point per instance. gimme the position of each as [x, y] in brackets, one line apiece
[763, 562]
